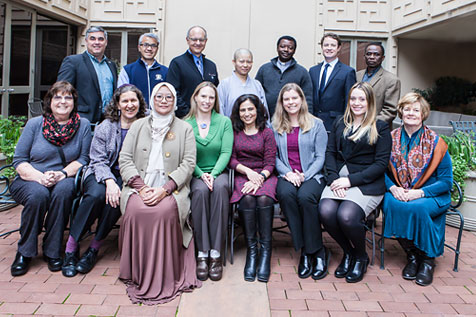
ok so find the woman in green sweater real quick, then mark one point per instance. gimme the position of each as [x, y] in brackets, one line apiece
[209, 186]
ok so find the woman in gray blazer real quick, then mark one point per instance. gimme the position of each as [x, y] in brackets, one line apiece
[102, 181]
[301, 139]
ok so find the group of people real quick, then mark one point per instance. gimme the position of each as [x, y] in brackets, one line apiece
[162, 154]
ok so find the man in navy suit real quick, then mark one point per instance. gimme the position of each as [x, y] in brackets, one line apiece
[331, 82]
[92, 74]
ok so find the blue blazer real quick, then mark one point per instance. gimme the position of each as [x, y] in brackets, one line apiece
[312, 151]
[79, 71]
[333, 101]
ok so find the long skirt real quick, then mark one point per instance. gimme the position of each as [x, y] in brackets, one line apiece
[420, 220]
[154, 264]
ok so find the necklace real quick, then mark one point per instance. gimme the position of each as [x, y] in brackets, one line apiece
[203, 125]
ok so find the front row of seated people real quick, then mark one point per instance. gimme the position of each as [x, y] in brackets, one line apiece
[169, 178]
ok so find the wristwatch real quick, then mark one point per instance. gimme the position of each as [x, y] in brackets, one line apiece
[263, 174]
[64, 172]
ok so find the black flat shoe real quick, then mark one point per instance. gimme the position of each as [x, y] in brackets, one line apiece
[69, 264]
[320, 267]
[410, 270]
[305, 266]
[87, 261]
[20, 265]
[424, 276]
[54, 264]
[356, 274]
[344, 266]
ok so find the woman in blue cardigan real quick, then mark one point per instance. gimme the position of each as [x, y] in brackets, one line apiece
[418, 184]
[301, 140]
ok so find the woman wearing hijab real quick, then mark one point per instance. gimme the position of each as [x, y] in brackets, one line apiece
[155, 241]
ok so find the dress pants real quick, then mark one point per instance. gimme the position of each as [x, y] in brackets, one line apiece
[48, 206]
[93, 206]
[210, 212]
[300, 207]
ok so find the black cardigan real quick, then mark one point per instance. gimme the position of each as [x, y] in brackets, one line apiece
[366, 163]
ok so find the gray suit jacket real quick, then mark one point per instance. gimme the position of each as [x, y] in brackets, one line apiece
[104, 151]
[312, 151]
[387, 93]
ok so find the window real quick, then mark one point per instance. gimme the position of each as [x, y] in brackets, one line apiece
[352, 52]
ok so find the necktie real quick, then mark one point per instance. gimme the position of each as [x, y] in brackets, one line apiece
[322, 85]
[199, 65]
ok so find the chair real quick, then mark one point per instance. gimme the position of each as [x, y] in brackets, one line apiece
[465, 127]
[452, 210]
[35, 107]
[370, 223]
[6, 197]
[233, 217]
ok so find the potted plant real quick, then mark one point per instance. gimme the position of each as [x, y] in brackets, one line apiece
[462, 150]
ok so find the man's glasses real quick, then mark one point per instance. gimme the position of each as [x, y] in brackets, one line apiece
[148, 45]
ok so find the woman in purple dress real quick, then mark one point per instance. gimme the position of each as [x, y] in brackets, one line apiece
[254, 158]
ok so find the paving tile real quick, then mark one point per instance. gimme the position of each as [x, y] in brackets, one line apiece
[32, 278]
[321, 286]
[15, 308]
[137, 310]
[109, 289]
[114, 299]
[39, 287]
[347, 314]
[394, 307]
[13, 296]
[165, 311]
[464, 309]
[287, 304]
[446, 298]
[59, 278]
[410, 297]
[58, 309]
[308, 313]
[47, 298]
[339, 295]
[468, 299]
[375, 296]
[281, 313]
[99, 280]
[432, 308]
[452, 290]
[385, 314]
[11, 286]
[284, 285]
[74, 288]
[91, 299]
[325, 305]
[352, 287]
[98, 310]
[362, 306]
[301, 294]
[277, 293]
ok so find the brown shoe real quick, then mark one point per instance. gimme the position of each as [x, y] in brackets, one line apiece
[202, 268]
[216, 269]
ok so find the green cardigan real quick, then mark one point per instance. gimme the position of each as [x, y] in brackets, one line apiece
[213, 151]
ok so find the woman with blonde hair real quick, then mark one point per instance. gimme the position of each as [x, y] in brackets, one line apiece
[357, 156]
[301, 140]
[209, 186]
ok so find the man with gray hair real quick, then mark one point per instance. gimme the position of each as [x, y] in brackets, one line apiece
[190, 69]
[146, 72]
[92, 74]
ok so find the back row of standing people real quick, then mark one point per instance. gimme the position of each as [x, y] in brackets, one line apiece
[325, 86]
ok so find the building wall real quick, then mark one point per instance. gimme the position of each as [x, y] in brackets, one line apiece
[422, 62]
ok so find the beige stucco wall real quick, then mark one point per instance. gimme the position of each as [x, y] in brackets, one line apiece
[422, 62]
[247, 23]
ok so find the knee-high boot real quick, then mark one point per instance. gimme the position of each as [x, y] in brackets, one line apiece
[248, 219]
[410, 270]
[265, 216]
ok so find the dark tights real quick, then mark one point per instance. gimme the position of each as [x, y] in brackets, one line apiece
[251, 202]
[344, 220]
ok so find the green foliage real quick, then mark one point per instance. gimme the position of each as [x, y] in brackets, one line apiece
[449, 92]
[463, 155]
[10, 131]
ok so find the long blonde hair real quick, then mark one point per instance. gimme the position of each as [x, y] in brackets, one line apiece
[368, 126]
[281, 122]
[193, 104]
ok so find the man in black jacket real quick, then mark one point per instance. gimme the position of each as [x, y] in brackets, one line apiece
[92, 74]
[190, 69]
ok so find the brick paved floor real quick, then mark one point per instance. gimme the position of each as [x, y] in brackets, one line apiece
[381, 293]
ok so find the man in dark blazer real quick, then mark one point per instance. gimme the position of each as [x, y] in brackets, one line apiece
[92, 74]
[331, 82]
[386, 85]
[190, 69]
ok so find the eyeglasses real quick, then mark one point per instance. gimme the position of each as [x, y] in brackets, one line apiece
[61, 98]
[148, 45]
[168, 98]
[196, 40]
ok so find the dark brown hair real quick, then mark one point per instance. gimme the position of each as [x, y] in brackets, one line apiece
[61, 87]
[112, 110]
[261, 114]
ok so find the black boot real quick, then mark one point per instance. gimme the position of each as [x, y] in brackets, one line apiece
[424, 276]
[410, 270]
[265, 216]
[248, 219]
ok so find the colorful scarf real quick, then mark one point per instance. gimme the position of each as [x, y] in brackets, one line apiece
[414, 159]
[59, 135]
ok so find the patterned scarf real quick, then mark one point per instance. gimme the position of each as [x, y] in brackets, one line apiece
[59, 135]
[411, 157]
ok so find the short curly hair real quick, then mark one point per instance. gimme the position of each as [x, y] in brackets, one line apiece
[112, 110]
[62, 87]
[411, 98]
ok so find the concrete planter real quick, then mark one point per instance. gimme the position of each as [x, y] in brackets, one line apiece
[468, 208]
